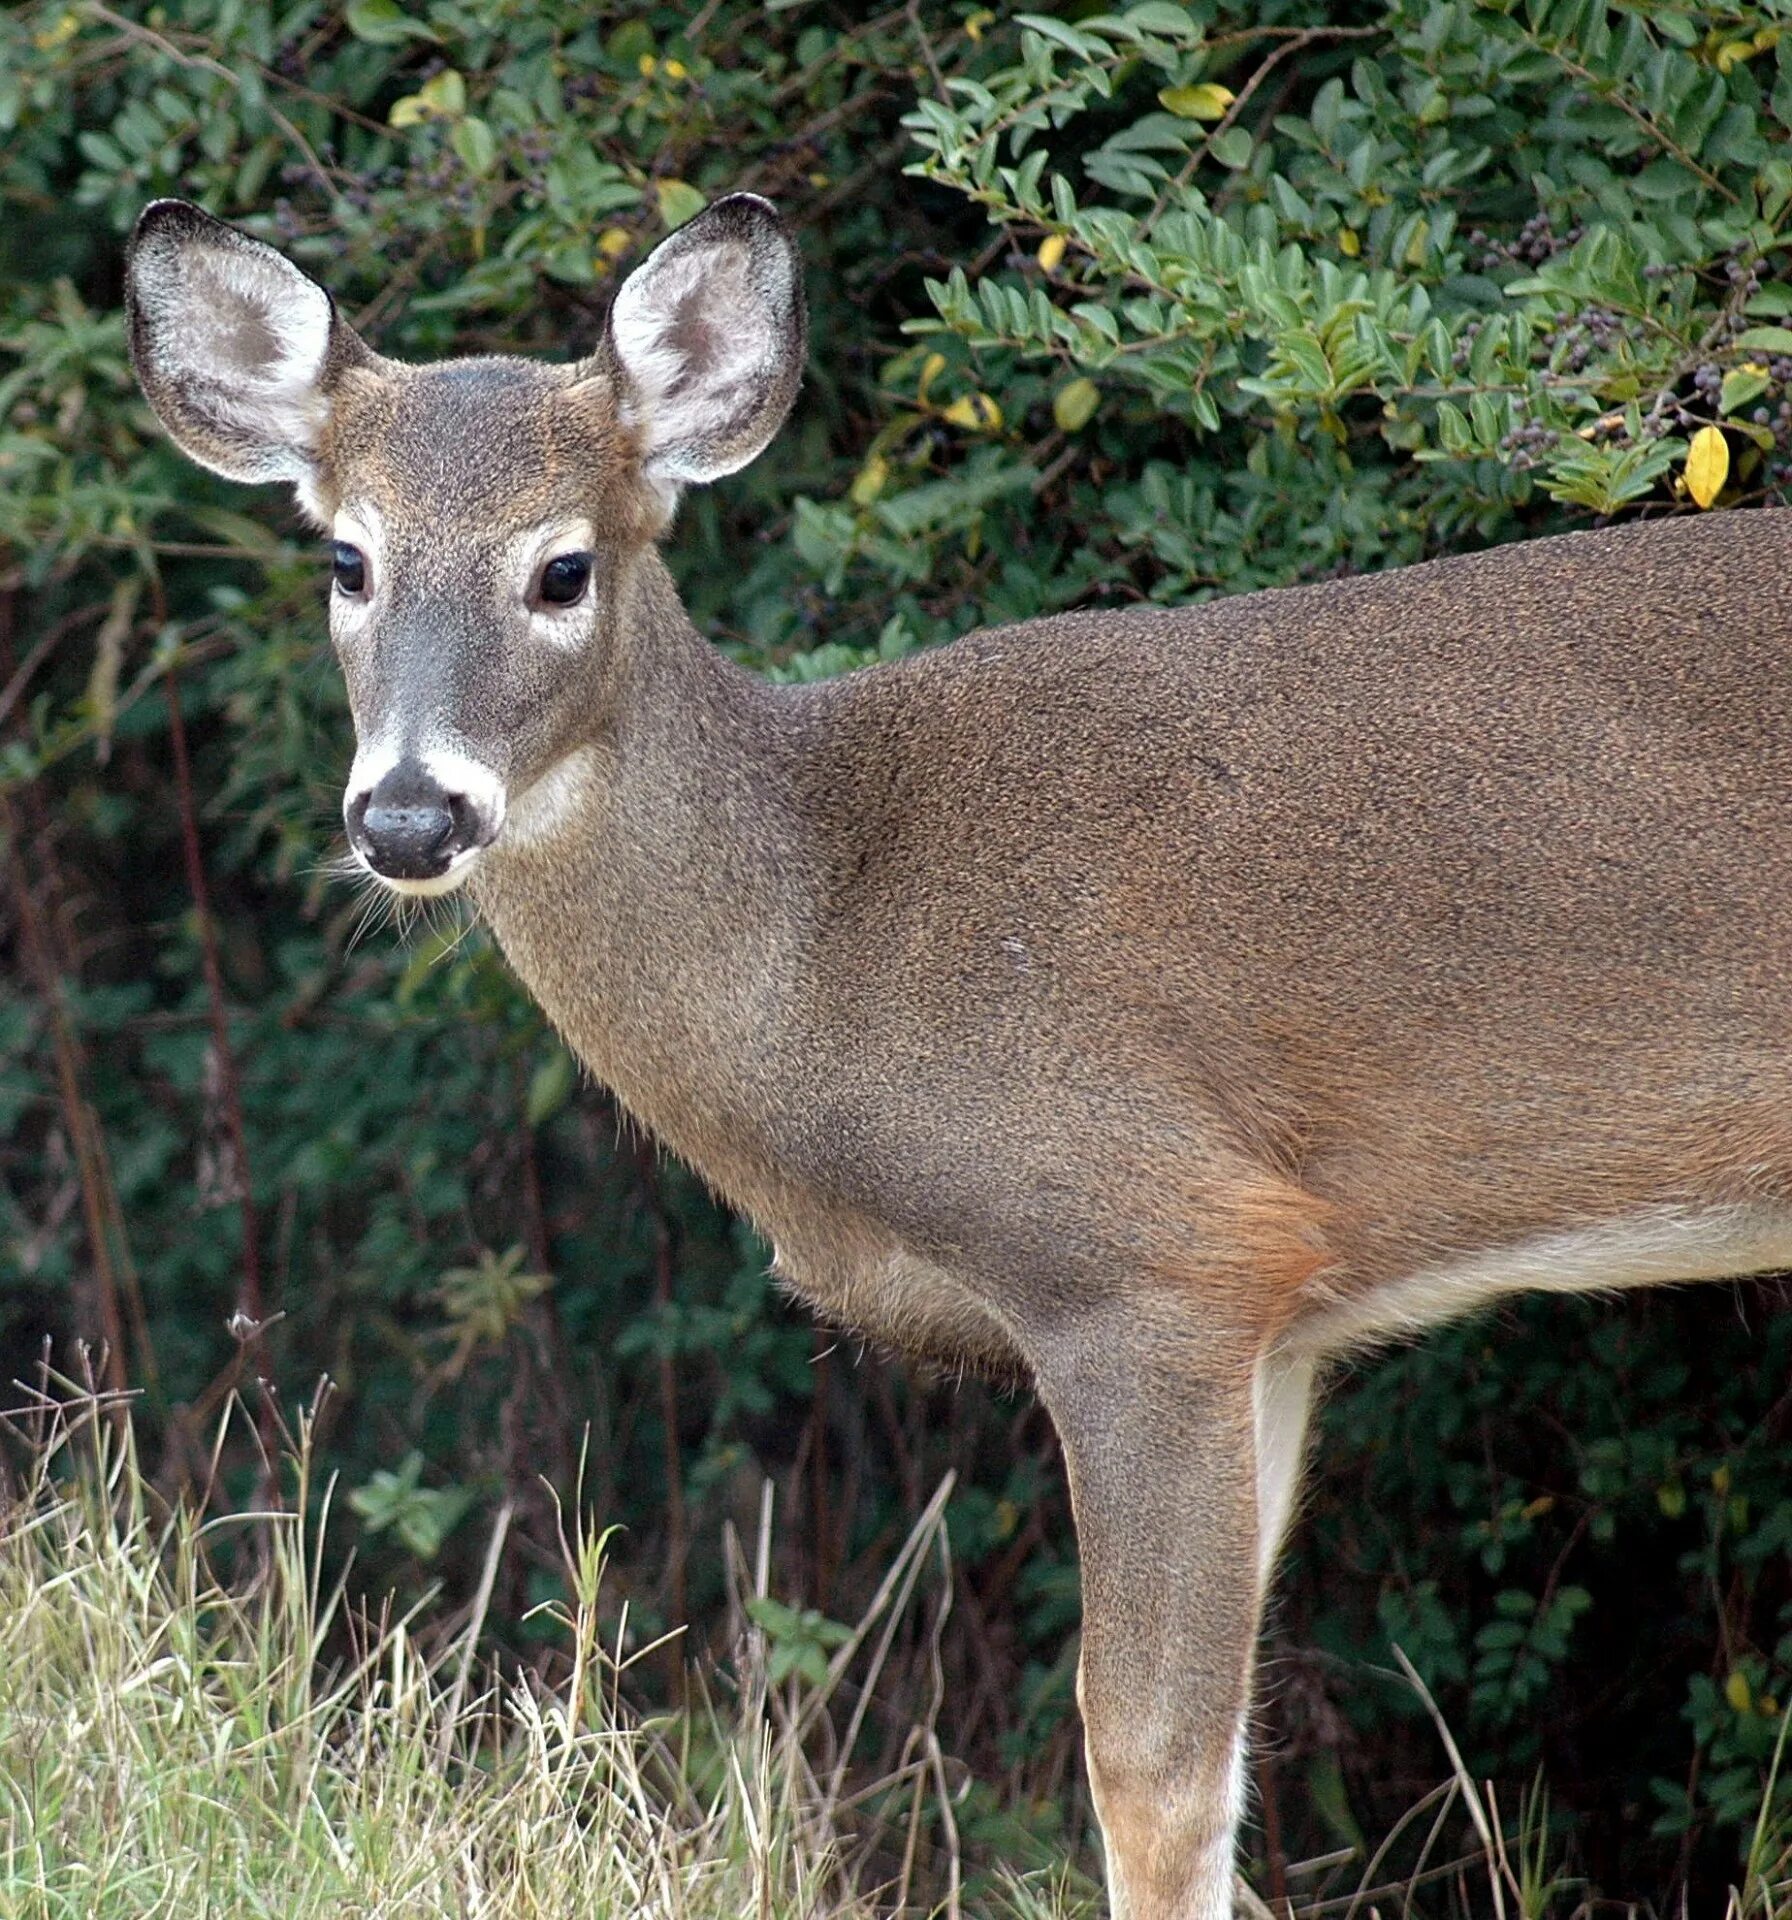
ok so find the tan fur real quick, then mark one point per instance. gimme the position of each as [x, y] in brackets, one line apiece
[1134, 1000]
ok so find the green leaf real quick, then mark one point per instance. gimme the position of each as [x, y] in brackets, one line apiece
[383, 23]
[1073, 406]
[1767, 339]
[1204, 102]
[1159, 16]
[1741, 385]
[1066, 37]
[1233, 147]
[550, 1087]
[472, 140]
[679, 201]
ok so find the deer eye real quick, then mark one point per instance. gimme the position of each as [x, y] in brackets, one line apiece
[349, 566]
[564, 578]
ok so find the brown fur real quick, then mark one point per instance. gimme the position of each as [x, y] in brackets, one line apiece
[1131, 999]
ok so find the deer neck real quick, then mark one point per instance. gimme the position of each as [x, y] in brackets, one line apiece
[652, 890]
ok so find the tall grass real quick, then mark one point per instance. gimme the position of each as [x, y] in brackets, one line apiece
[172, 1742]
[177, 1740]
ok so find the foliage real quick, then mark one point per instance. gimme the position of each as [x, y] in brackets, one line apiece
[1154, 304]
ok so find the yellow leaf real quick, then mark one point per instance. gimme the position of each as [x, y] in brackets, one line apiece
[677, 70]
[1051, 251]
[975, 411]
[443, 97]
[1736, 1691]
[1734, 53]
[647, 65]
[614, 242]
[1073, 406]
[445, 93]
[931, 369]
[1350, 242]
[869, 482]
[976, 22]
[1203, 102]
[59, 35]
[1707, 468]
[1720, 1476]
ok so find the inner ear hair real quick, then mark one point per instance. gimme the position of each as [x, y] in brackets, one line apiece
[235, 348]
[707, 337]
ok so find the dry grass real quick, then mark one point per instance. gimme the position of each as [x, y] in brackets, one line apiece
[174, 1743]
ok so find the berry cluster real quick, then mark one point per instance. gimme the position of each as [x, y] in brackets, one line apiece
[1526, 445]
[1537, 241]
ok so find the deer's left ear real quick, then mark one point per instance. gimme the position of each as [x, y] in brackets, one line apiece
[708, 335]
[234, 347]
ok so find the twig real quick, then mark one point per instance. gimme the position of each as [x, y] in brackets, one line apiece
[1303, 38]
[482, 1600]
[913, 11]
[40, 651]
[954, 1862]
[77, 1116]
[147, 36]
[250, 1317]
[1613, 96]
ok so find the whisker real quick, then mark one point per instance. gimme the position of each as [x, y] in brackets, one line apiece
[446, 918]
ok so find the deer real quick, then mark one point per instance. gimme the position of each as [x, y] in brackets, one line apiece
[1150, 1004]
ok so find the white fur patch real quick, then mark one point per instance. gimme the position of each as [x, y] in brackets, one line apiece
[459, 773]
[524, 558]
[641, 323]
[1650, 1249]
[553, 803]
[1281, 1397]
[374, 759]
[459, 868]
[358, 526]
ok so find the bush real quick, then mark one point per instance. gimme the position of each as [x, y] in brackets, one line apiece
[1178, 301]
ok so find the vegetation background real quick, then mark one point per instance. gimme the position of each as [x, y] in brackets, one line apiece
[1170, 302]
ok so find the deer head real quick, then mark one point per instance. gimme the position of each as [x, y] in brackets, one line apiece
[485, 514]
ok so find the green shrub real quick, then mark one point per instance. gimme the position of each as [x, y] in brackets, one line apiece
[1177, 301]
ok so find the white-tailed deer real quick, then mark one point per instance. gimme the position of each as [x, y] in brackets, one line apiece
[1153, 1003]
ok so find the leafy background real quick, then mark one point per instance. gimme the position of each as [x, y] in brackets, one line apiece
[1172, 302]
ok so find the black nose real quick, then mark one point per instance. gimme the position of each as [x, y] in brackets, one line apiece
[409, 827]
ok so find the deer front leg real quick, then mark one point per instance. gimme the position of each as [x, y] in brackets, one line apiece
[1159, 1427]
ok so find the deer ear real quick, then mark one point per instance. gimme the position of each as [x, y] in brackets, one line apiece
[708, 335]
[234, 347]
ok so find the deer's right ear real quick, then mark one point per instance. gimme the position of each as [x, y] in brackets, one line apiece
[234, 347]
